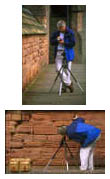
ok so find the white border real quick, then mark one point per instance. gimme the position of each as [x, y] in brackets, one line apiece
[97, 68]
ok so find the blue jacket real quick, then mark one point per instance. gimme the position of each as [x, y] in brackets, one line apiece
[81, 132]
[69, 43]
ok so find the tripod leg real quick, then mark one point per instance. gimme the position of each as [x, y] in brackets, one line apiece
[67, 165]
[54, 82]
[60, 88]
[61, 82]
[66, 156]
[49, 162]
[58, 74]
[77, 82]
[69, 150]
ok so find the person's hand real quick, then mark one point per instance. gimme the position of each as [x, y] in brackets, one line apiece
[58, 38]
[61, 41]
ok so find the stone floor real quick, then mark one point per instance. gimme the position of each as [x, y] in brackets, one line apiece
[37, 93]
[62, 170]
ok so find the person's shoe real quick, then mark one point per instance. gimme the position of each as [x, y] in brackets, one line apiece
[71, 87]
[84, 172]
[90, 171]
[64, 89]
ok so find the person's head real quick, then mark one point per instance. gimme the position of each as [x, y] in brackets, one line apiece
[75, 116]
[61, 25]
[62, 130]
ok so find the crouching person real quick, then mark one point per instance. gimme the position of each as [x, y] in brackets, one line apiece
[86, 135]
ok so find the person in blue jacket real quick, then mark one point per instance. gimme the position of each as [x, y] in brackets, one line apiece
[86, 135]
[64, 40]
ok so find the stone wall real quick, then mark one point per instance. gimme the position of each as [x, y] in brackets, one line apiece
[33, 134]
[35, 56]
[35, 48]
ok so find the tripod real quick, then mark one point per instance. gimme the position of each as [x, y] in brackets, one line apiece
[60, 74]
[62, 143]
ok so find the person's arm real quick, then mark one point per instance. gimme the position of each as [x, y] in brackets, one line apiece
[71, 41]
[53, 39]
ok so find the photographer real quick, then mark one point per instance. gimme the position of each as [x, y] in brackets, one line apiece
[64, 41]
[86, 135]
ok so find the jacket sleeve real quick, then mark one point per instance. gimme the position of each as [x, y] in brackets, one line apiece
[53, 39]
[71, 41]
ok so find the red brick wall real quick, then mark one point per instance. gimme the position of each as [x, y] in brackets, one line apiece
[34, 135]
[35, 56]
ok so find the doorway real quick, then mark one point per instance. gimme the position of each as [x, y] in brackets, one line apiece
[57, 12]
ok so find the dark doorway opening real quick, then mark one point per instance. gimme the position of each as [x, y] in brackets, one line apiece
[59, 10]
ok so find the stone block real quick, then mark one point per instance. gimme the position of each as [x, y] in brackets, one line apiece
[16, 117]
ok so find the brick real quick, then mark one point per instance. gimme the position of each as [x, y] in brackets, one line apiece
[52, 144]
[24, 128]
[42, 122]
[16, 117]
[54, 138]
[8, 116]
[34, 144]
[62, 122]
[25, 117]
[10, 129]
[40, 137]
[25, 153]
[24, 60]
[11, 123]
[24, 40]
[45, 130]
[30, 39]
[16, 145]
[21, 137]
[24, 52]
